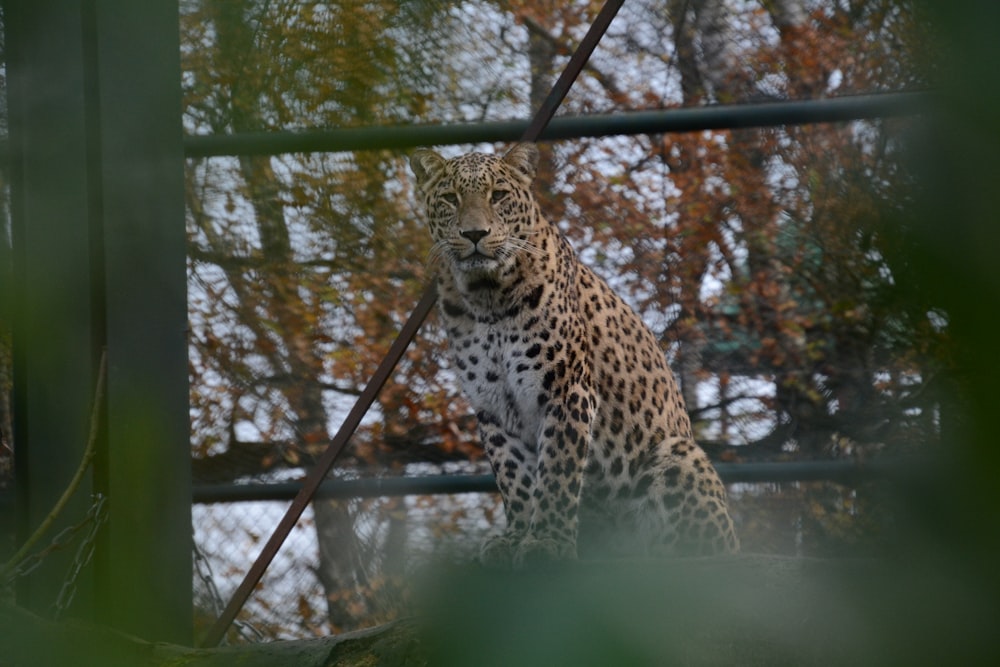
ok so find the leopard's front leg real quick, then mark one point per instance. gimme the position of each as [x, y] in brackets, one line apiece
[563, 445]
[514, 466]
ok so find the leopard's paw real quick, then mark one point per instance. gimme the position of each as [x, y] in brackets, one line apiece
[535, 551]
[499, 551]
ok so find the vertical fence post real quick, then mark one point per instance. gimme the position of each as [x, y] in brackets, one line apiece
[54, 325]
[99, 261]
[144, 569]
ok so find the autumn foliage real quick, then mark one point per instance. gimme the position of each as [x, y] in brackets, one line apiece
[763, 259]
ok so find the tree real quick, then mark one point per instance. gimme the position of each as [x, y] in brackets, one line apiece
[760, 257]
[294, 280]
[767, 242]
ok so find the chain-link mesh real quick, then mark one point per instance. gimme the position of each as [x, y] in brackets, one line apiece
[748, 252]
[358, 577]
[397, 537]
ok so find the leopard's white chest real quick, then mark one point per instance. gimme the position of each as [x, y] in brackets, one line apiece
[502, 375]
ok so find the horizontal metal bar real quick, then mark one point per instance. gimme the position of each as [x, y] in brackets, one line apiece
[846, 472]
[764, 114]
[348, 488]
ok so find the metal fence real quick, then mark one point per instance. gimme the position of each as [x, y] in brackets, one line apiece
[372, 500]
[843, 472]
[794, 508]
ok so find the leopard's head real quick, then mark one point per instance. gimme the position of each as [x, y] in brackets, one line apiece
[480, 210]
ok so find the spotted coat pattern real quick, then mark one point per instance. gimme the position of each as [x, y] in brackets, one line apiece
[578, 412]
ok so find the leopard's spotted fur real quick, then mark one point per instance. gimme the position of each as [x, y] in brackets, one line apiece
[578, 412]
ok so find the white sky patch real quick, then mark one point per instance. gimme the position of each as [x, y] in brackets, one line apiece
[781, 176]
[746, 417]
[938, 320]
[713, 283]
[834, 80]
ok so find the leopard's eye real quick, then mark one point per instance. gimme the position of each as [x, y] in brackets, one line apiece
[498, 196]
[450, 198]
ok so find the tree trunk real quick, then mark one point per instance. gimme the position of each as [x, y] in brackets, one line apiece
[341, 570]
[286, 314]
[541, 59]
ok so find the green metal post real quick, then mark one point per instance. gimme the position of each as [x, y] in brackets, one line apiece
[97, 203]
[54, 324]
[145, 568]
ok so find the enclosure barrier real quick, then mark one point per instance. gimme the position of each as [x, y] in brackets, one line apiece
[697, 119]
[539, 128]
[844, 472]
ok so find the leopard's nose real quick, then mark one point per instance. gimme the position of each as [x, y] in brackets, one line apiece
[474, 235]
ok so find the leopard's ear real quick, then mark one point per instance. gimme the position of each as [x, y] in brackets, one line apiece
[523, 158]
[425, 164]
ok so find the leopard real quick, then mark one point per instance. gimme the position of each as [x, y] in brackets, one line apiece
[578, 412]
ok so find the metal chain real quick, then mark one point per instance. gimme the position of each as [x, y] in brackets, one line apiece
[248, 631]
[203, 570]
[60, 541]
[96, 517]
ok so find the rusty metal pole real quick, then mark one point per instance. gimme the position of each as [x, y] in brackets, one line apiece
[396, 351]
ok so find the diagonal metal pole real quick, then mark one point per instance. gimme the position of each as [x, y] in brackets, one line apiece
[395, 353]
[572, 71]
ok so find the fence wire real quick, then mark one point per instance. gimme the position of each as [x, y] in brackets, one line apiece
[306, 593]
[347, 564]
[304, 262]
